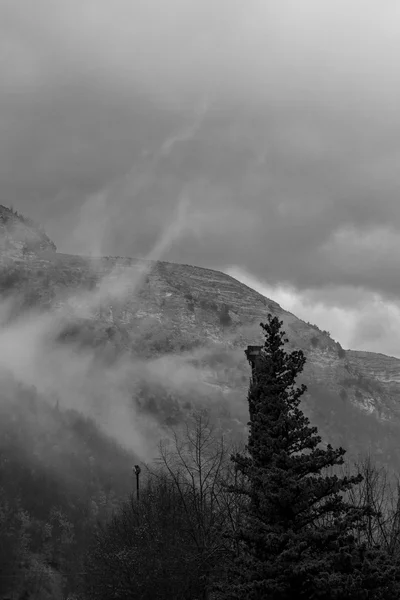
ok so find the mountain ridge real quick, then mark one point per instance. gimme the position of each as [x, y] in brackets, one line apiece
[169, 309]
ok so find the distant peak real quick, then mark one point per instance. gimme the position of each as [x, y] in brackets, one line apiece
[20, 236]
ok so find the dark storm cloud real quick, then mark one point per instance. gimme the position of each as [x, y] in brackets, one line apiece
[292, 170]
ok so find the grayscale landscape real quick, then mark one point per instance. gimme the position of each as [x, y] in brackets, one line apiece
[173, 175]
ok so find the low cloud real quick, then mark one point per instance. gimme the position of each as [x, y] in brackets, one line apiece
[278, 121]
[78, 377]
[356, 318]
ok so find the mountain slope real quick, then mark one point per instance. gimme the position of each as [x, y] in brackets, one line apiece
[167, 309]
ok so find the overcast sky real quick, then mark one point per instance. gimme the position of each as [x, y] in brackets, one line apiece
[277, 121]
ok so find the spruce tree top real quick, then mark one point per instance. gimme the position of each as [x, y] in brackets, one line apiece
[276, 423]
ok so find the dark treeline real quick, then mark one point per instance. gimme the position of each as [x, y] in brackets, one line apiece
[283, 517]
[59, 477]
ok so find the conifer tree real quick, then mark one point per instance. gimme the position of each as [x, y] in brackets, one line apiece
[296, 538]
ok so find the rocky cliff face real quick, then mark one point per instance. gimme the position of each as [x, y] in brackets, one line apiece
[163, 308]
[384, 369]
[20, 236]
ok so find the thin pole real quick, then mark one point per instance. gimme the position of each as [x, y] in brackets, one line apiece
[137, 470]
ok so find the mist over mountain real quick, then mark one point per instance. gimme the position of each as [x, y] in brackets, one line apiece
[275, 122]
[170, 174]
[100, 355]
[91, 331]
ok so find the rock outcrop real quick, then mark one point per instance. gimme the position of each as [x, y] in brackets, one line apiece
[21, 237]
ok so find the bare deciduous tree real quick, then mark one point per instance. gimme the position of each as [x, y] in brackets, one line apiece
[173, 542]
[196, 458]
[381, 492]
